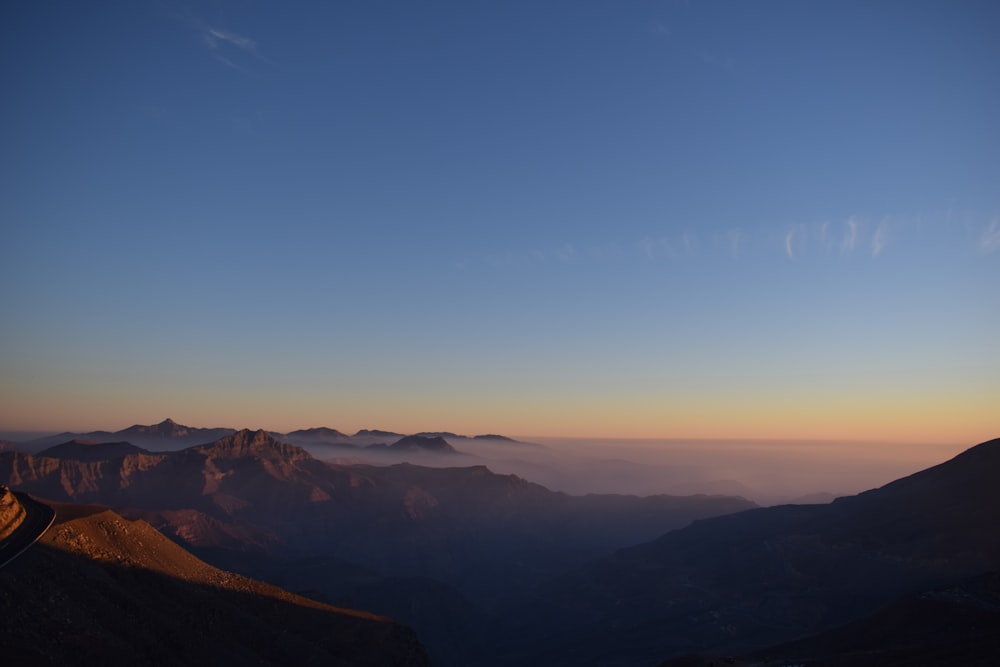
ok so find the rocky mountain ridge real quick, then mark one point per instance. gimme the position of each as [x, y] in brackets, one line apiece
[99, 589]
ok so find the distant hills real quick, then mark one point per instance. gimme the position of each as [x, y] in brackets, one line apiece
[80, 449]
[452, 542]
[168, 435]
[397, 518]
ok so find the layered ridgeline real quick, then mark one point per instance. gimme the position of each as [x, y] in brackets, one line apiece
[98, 589]
[438, 548]
[492, 569]
[466, 526]
[741, 582]
[168, 435]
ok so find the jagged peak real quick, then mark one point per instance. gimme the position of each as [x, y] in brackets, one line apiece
[246, 442]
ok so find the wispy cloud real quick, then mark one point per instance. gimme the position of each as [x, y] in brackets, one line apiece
[797, 241]
[990, 240]
[850, 236]
[213, 36]
[226, 46]
[880, 238]
[733, 241]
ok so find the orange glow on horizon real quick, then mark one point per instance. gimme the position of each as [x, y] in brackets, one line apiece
[966, 418]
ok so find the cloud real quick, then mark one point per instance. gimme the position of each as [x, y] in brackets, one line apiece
[225, 45]
[880, 238]
[213, 36]
[990, 240]
[795, 240]
[851, 237]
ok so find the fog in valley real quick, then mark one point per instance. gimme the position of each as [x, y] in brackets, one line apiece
[767, 472]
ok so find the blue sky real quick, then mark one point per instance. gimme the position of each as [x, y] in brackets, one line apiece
[660, 219]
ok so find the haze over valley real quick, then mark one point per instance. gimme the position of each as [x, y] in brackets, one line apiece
[486, 568]
[767, 472]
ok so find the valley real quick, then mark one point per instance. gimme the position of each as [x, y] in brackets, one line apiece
[492, 569]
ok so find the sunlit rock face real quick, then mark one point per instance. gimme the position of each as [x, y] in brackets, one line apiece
[117, 590]
[11, 513]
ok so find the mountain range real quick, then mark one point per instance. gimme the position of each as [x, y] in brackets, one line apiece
[493, 569]
[168, 435]
[457, 541]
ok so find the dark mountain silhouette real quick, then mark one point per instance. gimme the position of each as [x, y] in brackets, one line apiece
[321, 433]
[168, 435]
[502, 438]
[376, 433]
[418, 443]
[321, 442]
[99, 589]
[80, 449]
[955, 625]
[770, 575]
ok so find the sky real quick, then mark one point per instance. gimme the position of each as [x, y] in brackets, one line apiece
[565, 219]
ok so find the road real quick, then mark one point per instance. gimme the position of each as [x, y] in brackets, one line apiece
[38, 517]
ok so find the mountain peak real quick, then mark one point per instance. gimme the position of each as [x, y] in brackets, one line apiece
[376, 432]
[166, 428]
[422, 443]
[253, 443]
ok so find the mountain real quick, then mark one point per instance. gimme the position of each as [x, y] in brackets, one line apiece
[466, 526]
[168, 435]
[321, 436]
[99, 589]
[87, 450]
[11, 513]
[375, 433]
[419, 443]
[954, 625]
[441, 434]
[500, 438]
[454, 542]
[321, 432]
[765, 576]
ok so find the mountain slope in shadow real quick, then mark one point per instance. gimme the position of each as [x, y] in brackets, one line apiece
[98, 589]
[765, 576]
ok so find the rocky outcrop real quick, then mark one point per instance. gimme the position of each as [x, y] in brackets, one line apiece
[11, 513]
